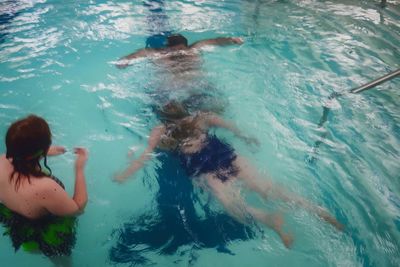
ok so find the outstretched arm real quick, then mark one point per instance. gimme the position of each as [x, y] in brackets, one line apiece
[124, 61]
[154, 139]
[56, 150]
[221, 41]
[213, 120]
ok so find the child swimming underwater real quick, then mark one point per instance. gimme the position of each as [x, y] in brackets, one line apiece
[207, 158]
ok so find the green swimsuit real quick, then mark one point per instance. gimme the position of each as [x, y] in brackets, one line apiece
[52, 235]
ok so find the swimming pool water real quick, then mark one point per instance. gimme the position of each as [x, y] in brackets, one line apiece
[57, 60]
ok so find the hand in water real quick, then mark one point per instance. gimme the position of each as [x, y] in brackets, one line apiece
[56, 150]
[251, 141]
[330, 219]
[237, 40]
[81, 157]
[121, 65]
[119, 178]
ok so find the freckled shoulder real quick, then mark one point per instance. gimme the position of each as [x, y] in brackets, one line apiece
[46, 184]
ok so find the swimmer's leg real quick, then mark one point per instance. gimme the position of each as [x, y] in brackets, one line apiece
[230, 198]
[261, 185]
[268, 190]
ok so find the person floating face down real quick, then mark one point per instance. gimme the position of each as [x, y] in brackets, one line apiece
[177, 49]
[213, 162]
[180, 73]
[32, 198]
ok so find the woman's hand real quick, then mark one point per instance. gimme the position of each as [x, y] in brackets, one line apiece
[56, 150]
[81, 157]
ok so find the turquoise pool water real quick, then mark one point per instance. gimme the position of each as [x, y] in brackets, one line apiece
[57, 60]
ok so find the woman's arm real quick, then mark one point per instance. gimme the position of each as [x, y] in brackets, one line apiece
[57, 201]
[56, 150]
[213, 120]
[80, 193]
[153, 141]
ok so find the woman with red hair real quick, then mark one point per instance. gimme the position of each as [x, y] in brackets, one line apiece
[34, 206]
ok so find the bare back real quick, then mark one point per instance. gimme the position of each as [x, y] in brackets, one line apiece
[30, 199]
[183, 64]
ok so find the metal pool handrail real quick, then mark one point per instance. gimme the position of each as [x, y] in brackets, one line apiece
[356, 90]
[376, 82]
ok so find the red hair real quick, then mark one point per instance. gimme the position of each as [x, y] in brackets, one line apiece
[27, 141]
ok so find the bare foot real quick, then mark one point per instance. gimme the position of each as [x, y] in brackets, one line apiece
[329, 219]
[276, 222]
[287, 239]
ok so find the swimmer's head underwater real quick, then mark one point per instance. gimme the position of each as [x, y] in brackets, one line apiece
[176, 40]
[179, 123]
[172, 111]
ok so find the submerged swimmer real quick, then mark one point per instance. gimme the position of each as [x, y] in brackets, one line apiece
[34, 206]
[180, 72]
[178, 56]
[211, 161]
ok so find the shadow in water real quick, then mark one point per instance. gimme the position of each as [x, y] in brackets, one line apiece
[5, 22]
[9, 11]
[175, 225]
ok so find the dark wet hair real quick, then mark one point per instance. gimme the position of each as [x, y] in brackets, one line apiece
[176, 39]
[172, 115]
[27, 141]
[172, 111]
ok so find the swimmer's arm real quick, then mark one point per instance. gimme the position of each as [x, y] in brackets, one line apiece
[56, 150]
[136, 165]
[213, 120]
[124, 61]
[221, 41]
